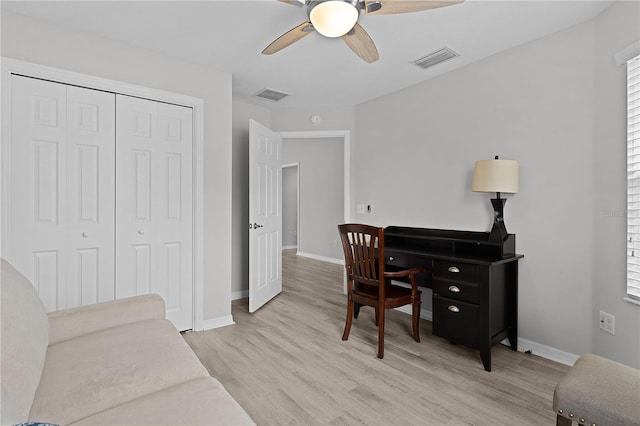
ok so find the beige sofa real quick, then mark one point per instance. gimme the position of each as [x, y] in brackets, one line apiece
[112, 363]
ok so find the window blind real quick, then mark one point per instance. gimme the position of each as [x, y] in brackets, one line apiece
[633, 178]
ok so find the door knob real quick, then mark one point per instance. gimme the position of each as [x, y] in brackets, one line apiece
[256, 226]
[85, 234]
[140, 232]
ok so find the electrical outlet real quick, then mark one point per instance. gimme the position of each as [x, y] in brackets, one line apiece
[607, 322]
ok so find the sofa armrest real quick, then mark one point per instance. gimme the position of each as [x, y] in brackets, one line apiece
[70, 323]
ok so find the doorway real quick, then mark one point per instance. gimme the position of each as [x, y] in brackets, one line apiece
[313, 179]
[290, 205]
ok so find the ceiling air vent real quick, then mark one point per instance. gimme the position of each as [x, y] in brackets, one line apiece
[270, 95]
[435, 58]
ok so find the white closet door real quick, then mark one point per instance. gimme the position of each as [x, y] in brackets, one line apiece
[62, 185]
[154, 204]
[90, 195]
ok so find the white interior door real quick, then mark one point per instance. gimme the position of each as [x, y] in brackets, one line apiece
[265, 215]
[61, 191]
[154, 223]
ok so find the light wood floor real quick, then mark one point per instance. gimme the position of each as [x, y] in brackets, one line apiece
[287, 364]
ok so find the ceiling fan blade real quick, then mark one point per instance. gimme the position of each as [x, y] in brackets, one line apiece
[359, 41]
[388, 7]
[293, 2]
[289, 38]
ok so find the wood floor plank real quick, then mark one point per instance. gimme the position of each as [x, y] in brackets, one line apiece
[287, 365]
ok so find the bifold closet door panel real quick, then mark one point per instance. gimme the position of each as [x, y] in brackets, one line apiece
[62, 182]
[154, 235]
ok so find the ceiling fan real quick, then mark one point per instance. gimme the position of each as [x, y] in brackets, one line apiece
[339, 18]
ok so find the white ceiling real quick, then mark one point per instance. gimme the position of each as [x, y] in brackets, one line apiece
[315, 71]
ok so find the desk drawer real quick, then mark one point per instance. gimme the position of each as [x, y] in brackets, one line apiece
[455, 321]
[406, 260]
[456, 271]
[397, 261]
[458, 290]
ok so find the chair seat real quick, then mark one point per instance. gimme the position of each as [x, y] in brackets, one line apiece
[393, 293]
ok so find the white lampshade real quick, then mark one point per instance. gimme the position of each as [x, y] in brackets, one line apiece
[333, 18]
[496, 176]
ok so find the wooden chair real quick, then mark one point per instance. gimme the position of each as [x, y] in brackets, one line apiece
[369, 284]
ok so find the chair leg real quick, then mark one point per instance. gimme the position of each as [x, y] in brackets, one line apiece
[381, 333]
[563, 421]
[377, 317]
[415, 312]
[347, 325]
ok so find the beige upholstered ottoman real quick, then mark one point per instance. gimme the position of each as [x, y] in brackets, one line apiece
[600, 392]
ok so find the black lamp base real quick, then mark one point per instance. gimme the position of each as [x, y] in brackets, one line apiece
[498, 231]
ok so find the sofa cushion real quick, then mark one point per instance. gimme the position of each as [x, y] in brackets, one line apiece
[25, 336]
[98, 371]
[71, 323]
[206, 401]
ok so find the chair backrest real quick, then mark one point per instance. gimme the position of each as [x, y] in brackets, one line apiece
[363, 247]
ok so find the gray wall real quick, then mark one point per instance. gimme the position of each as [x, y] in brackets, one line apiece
[321, 173]
[616, 28]
[290, 206]
[529, 104]
[33, 41]
[556, 105]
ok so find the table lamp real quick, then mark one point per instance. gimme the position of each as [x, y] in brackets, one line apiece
[496, 176]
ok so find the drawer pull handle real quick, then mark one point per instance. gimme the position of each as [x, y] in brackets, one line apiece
[454, 308]
[454, 289]
[391, 258]
[453, 269]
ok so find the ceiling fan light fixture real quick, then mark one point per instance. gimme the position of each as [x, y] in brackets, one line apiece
[333, 18]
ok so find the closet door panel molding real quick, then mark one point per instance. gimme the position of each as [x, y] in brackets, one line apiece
[154, 238]
[77, 258]
[62, 192]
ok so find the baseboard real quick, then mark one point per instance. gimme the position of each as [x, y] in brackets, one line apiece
[524, 345]
[289, 247]
[544, 351]
[322, 258]
[208, 324]
[242, 294]
[424, 314]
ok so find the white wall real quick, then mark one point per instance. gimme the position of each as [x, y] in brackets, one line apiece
[321, 173]
[299, 119]
[33, 41]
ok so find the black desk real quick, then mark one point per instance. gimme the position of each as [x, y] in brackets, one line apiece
[474, 283]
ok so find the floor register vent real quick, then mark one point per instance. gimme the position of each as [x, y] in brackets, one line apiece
[435, 58]
[270, 95]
